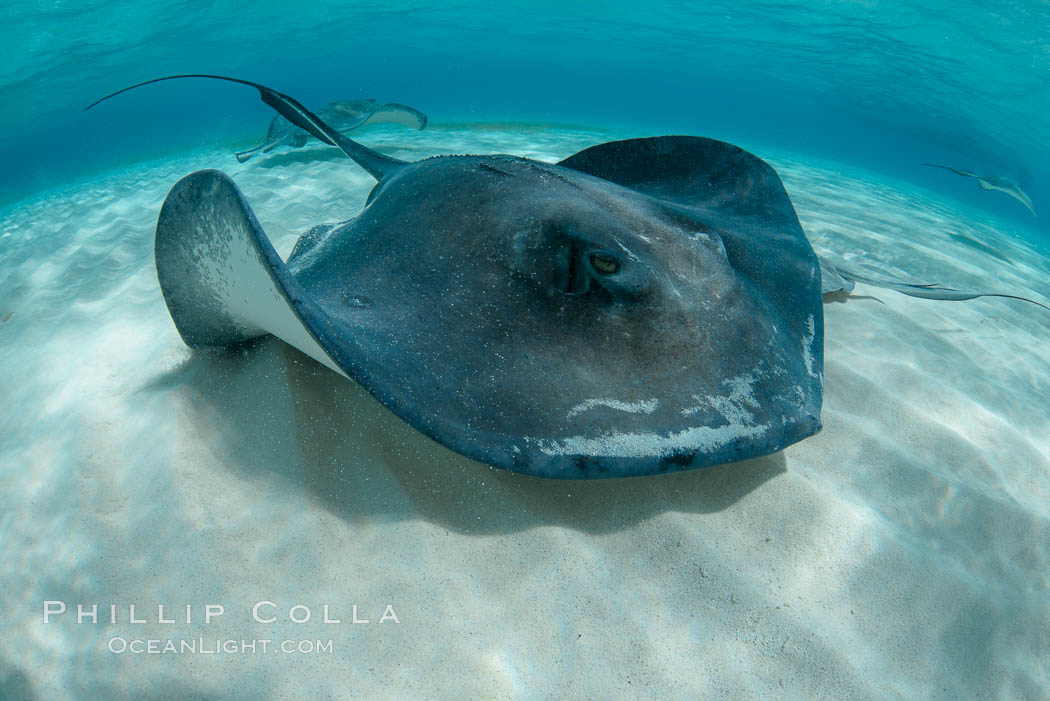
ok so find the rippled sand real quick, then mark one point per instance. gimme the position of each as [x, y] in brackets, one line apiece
[902, 552]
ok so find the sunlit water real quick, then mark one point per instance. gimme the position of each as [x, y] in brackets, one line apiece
[886, 84]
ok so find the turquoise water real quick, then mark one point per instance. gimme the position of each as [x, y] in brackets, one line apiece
[902, 552]
[882, 84]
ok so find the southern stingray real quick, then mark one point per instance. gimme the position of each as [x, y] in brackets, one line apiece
[993, 182]
[839, 279]
[342, 116]
[643, 306]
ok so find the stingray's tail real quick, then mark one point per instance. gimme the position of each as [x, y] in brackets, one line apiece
[957, 171]
[221, 278]
[374, 162]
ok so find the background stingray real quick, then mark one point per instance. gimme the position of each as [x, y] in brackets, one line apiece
[644, 306]
[993, 182]
[838, 279]
[341, 115]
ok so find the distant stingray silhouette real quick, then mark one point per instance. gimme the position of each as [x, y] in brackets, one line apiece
[835, 278]
[994, 182]
[343, 116]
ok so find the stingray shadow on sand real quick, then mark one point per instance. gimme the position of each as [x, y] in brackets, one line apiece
[284, 416]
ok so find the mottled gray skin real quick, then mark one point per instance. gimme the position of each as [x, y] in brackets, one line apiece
[343, 116]
[993, 182]
[472, 306]
[644, 306]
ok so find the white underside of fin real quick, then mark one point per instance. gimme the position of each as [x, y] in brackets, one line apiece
[222, 279]
[250, 293]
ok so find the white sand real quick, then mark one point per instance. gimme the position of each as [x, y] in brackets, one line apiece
[903, 552]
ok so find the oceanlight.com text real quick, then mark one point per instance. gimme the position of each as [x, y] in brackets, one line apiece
[119, 645]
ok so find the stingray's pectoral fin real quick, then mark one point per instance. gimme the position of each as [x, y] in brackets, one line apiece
[830, 279]
[399, 114]
[243, 156]
[221, 278]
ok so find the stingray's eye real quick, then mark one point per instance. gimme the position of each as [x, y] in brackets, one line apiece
[604, 263]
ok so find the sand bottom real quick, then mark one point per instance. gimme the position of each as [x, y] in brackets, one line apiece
[904, 552]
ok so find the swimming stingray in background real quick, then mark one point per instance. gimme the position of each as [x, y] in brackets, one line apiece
[343, 116]
[839, 279]
[993, 182]
[643, 306]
